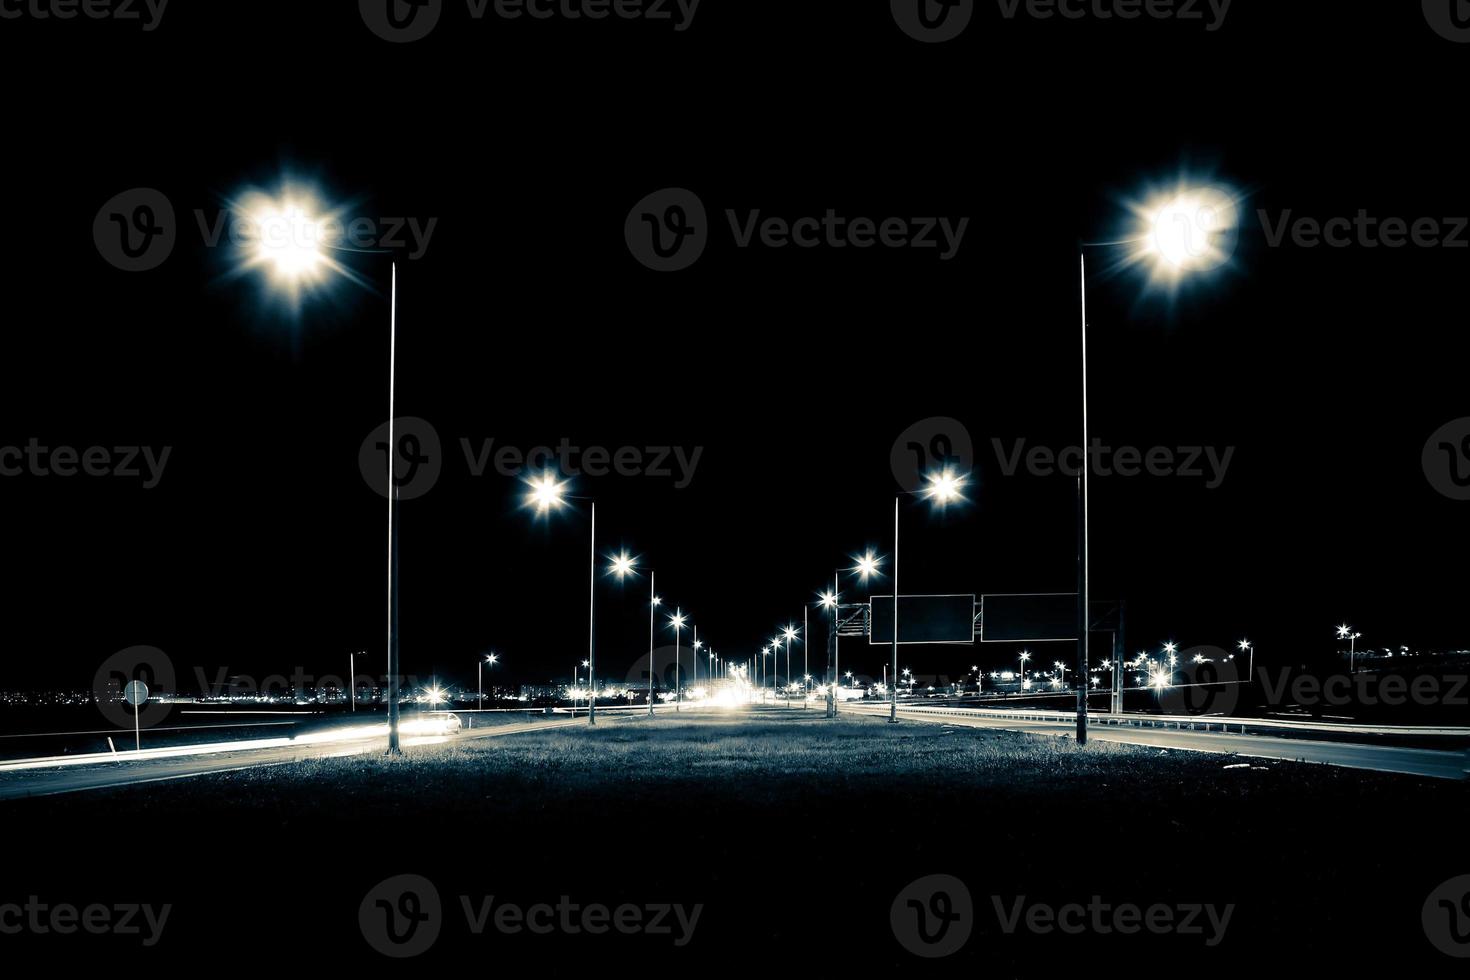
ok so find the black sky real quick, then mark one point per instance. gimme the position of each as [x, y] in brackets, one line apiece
[527, 321]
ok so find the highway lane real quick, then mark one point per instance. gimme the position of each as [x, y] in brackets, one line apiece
[50, 777]
[1379, 758]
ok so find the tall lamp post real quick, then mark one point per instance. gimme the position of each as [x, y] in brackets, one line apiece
[677, 621]
[943, 488]
[1345, 632]
[547, 493]
[694, 679]
[653, 603]
[1192, 230]
[828, 602]
[1246, 646]
[491, 659]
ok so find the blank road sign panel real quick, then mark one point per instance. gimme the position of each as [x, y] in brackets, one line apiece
[924, 619]
[1019, 618]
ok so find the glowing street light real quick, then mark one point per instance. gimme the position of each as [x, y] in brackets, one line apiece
[867, 566]
[789, 634]
[941, 488]
[1025, 656]
[653, 603]
[944, 487]
[285, 240]
[1247, 646]
[1186, 230]
[677, 620]
[492, 659]
[1346, 632]
[622, 565]
[547, 493]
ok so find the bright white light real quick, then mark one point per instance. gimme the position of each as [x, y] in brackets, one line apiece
[867, 565]
[547, 493]
[944, 487]
[1244, 644]
[829, 600]
[789, 633]
[623, 565]
[1187, 228]
[678, 620]
[287, 238]
[1194, 230]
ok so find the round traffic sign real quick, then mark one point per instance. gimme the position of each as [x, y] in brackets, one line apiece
[135, 693]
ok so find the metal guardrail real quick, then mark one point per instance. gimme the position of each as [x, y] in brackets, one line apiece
[1179, 722]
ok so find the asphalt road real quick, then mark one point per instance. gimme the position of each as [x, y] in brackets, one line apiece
[1379, 758]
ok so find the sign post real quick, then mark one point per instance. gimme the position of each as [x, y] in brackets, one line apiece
[136, 694]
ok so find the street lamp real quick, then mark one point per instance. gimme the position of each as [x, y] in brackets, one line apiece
[653, 604]
[790, 634]
[352, 677]
[1182, 231]
[1244, 646]
[1346, 632]
[546, 494]
[942, 487]
[576, 683]
[1025, 656]
[492, 659]
[285, 239]
[677, 620]
[694, 681]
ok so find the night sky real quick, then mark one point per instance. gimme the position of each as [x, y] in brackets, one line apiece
[792, 371]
